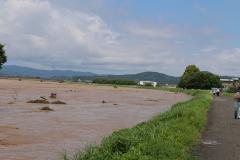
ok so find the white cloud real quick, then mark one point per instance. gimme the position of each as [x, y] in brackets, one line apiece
[150, 31]
[38, 41]
[39, 34]
[48, 36]
[32, 29]
[230, 56]
[224, 62]
[209, 49]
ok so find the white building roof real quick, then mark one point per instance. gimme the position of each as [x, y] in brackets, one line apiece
[226, 80]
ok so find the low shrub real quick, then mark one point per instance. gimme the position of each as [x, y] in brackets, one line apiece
[232, 90]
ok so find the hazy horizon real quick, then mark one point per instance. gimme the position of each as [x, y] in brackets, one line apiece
[122, 37]
[79, 70]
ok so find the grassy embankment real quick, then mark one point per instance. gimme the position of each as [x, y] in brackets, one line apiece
[168, 136]
[228, 94]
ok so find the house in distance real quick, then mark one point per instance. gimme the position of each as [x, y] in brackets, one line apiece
[230, 82]
[147, 83]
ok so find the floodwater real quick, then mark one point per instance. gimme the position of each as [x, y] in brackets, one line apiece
[26, 133]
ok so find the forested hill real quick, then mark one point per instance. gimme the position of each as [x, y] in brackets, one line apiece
[148, 76]
[30, 72]
[75, 75]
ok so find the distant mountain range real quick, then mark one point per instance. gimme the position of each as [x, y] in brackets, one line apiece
[30, 72]
[144, 76]
[68, 74]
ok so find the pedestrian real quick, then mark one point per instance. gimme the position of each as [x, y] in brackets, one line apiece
[237, 107]
[218, 92]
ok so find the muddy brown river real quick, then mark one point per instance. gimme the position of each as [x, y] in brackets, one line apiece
[26, 133]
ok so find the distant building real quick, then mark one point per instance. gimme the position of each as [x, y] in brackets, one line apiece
[230, 82]
[88, 81]
[144, 83]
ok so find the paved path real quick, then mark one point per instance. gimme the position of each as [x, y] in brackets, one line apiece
[221, 139]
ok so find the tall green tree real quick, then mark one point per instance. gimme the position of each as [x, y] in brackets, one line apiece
[203, 80]
[189, 71]
[3, 57]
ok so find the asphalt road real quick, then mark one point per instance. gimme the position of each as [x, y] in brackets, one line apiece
[221, 138]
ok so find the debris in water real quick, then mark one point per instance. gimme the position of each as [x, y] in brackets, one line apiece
[43, 98]
[46, 108]
[104, 101]
[58, 102]
[53, 95]
[39, 101]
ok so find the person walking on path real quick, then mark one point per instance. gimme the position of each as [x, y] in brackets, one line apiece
[220, 140]
[237, 107]
[218, 92]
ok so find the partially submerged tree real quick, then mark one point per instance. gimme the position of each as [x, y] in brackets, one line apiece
[3, 57]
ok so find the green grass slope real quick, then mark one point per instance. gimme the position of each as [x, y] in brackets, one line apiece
[168, 136]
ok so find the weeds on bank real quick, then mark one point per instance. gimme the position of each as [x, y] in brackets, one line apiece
[229, 94]
[168, 136]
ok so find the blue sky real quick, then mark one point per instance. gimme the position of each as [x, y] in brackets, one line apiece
[127, 36]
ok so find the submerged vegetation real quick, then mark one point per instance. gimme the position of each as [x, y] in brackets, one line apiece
[169, 135]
